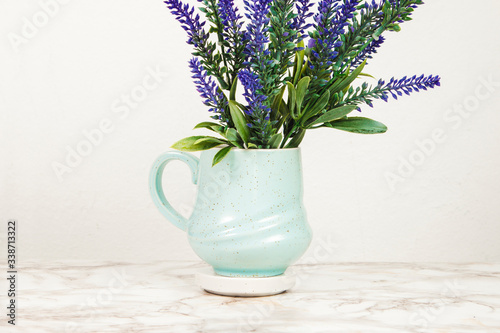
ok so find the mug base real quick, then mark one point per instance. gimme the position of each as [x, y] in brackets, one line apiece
[213, 283]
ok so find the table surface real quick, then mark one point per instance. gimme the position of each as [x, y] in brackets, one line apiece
[344, 297]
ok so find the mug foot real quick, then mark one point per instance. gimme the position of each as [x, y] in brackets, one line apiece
[244, 286]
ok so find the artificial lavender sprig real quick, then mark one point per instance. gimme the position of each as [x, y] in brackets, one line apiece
[228, 13]
[256, 36]
[345, 13]
[284, 38]
[252, 86]
[211, 94]
[300, 21]
[332, 18]
[324, 38]
[257, 111]
[368, 51]
[394, 88]
[197, 37]
[407, 85]
[212, 12]
[374, 19]
[189, 22]
[233, 36]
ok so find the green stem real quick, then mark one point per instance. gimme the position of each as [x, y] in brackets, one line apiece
[295, 126]
[225, 64]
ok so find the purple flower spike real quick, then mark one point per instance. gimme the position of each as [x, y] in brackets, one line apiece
[368, 51]
[189, 22]
[255, 36]
[228, 13]
[299, 22]
[257, 111]
[213, 97]
[330, 21]
[407, 85]
[255, 100]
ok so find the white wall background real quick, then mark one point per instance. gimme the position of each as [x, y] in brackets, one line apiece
[68, 75]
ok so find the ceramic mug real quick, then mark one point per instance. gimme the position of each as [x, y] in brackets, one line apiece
[249, 219]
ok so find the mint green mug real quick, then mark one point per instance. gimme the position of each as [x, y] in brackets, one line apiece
[248, 219]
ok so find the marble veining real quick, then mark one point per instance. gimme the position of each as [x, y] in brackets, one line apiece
[346, 297]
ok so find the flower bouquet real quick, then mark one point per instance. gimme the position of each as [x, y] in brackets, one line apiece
[297, 63]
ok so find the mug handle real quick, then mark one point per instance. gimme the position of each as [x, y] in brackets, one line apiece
[156, 188]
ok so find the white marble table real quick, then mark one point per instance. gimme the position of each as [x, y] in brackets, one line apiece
[162, 297]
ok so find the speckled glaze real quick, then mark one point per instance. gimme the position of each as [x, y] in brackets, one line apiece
[249, 219]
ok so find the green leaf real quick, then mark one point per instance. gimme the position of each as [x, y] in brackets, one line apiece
[206, 124]
[395, 27]
[239, 121]
[281, 121]
[284, 110]
[222, 83]
[367, 75]
[342, 84]
[233, 137]
[334, 114]
[273, 39]
[301, 92]
[275, 107]
[211, 126]
[291, 99]
[232, 93]
[209, 139]
[252, 145]
[275, 140]
[359, 125]
[221, 154]
[297, 139]
[189, 143]
[319, 106]
[299, 62]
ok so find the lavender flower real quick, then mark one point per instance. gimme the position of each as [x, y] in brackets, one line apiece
[375, 17]
[229, 16]
[330, 22]
[325, 25]
[233, 36]
[387, 14]
[406, 85]
[213, 97]
[299, 22]
[255, 35]
[394, 88]
[189, 22]
[255, 100]
[367, 52]
[367, 6]
[345, 13]
[256, 47]
[257, 111]
[403, 16]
